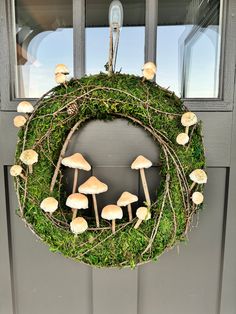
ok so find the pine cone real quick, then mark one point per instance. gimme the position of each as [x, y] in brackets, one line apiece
[72, 109]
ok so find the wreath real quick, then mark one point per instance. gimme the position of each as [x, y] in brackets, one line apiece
[120, 235]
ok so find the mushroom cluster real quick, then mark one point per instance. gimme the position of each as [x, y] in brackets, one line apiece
[23, 107]
[61, 71]
[188, 119]
[197, 176]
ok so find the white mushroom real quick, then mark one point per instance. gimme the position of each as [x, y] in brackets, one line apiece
[19, 121]
[182, 139]
[112, 212]
[29, 157]
[76, 161]
[126, 199]
[197, 198]
[149, 70]
[143, 214]
[76, 201]
[188, 119]
[16, 170]
[60, 78]
[78, 225]
[140, 163]
[61, 68]
[93, 186]
[25, 107]
[49, 205]
[198, 176]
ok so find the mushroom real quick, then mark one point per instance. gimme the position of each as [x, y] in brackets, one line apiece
[188, 119]
[126, 199]
[29, 157]
[149, 70]
[197, 198]
[78, 225]
[198, 176]
[61, 68]
[76, 161]
[25, 107]
[19, 121]
[60, 78]
[182, 139]
[16, 170]
[76, 201]
[112, 212]
[143, 214]
[49, 205]
[93, 186]
[140, 163]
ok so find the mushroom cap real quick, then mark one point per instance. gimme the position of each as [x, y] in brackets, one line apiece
[111, 212]
[141, 162]
[197, 198]
[19, 121]
[60, 78]
[182, 138]
[198, 176]
[78, 225]
[25, 107]
[188, 119]
[150, 65]
[126, 198]
[61, 68]
[76, 161]
[148, 74]
[29, 157]
[93, 186]
[15, 170]
[49, 204]
[77, 200]
[143, 213]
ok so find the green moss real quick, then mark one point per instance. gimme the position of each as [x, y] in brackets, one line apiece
[100, 97]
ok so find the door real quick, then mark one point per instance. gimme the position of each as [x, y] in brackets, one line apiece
[193, 43]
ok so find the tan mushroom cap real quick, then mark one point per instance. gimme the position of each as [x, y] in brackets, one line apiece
[143, 213]
[19, 121]
[49, 204]
[148, 74]
[198, 176]
[61, 68]
[188, 119]
[126, 198]
[29, 157]
[15, 170]
[25, 107]
[182, 138]
[78, 225]
[93, 186]
[60, 78]
[197, 198]
[77, 200]
[150, 65]
[141, 162]
[76, 161]
[111, 212]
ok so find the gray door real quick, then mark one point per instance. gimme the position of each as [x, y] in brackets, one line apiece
[197, 277]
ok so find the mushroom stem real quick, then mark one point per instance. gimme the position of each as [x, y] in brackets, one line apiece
[113, 226]
[75, 182]
[30, 168]
[95, 206]
[186, 129]
[74, 213]
[130, 212]
[192, 186]
[137, 223]
[22, 176]
[145, 187]
[50, 214]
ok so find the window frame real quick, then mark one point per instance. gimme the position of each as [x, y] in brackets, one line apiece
[7, 54]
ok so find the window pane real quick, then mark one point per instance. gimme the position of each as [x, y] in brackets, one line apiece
[188, 47]
[130, 55]
[44, 38]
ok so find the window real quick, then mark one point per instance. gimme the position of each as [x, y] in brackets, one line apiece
[188, 47]
[130, 56]
[44, 38]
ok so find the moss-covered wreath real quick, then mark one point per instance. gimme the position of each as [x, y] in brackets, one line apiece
[47, 131]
